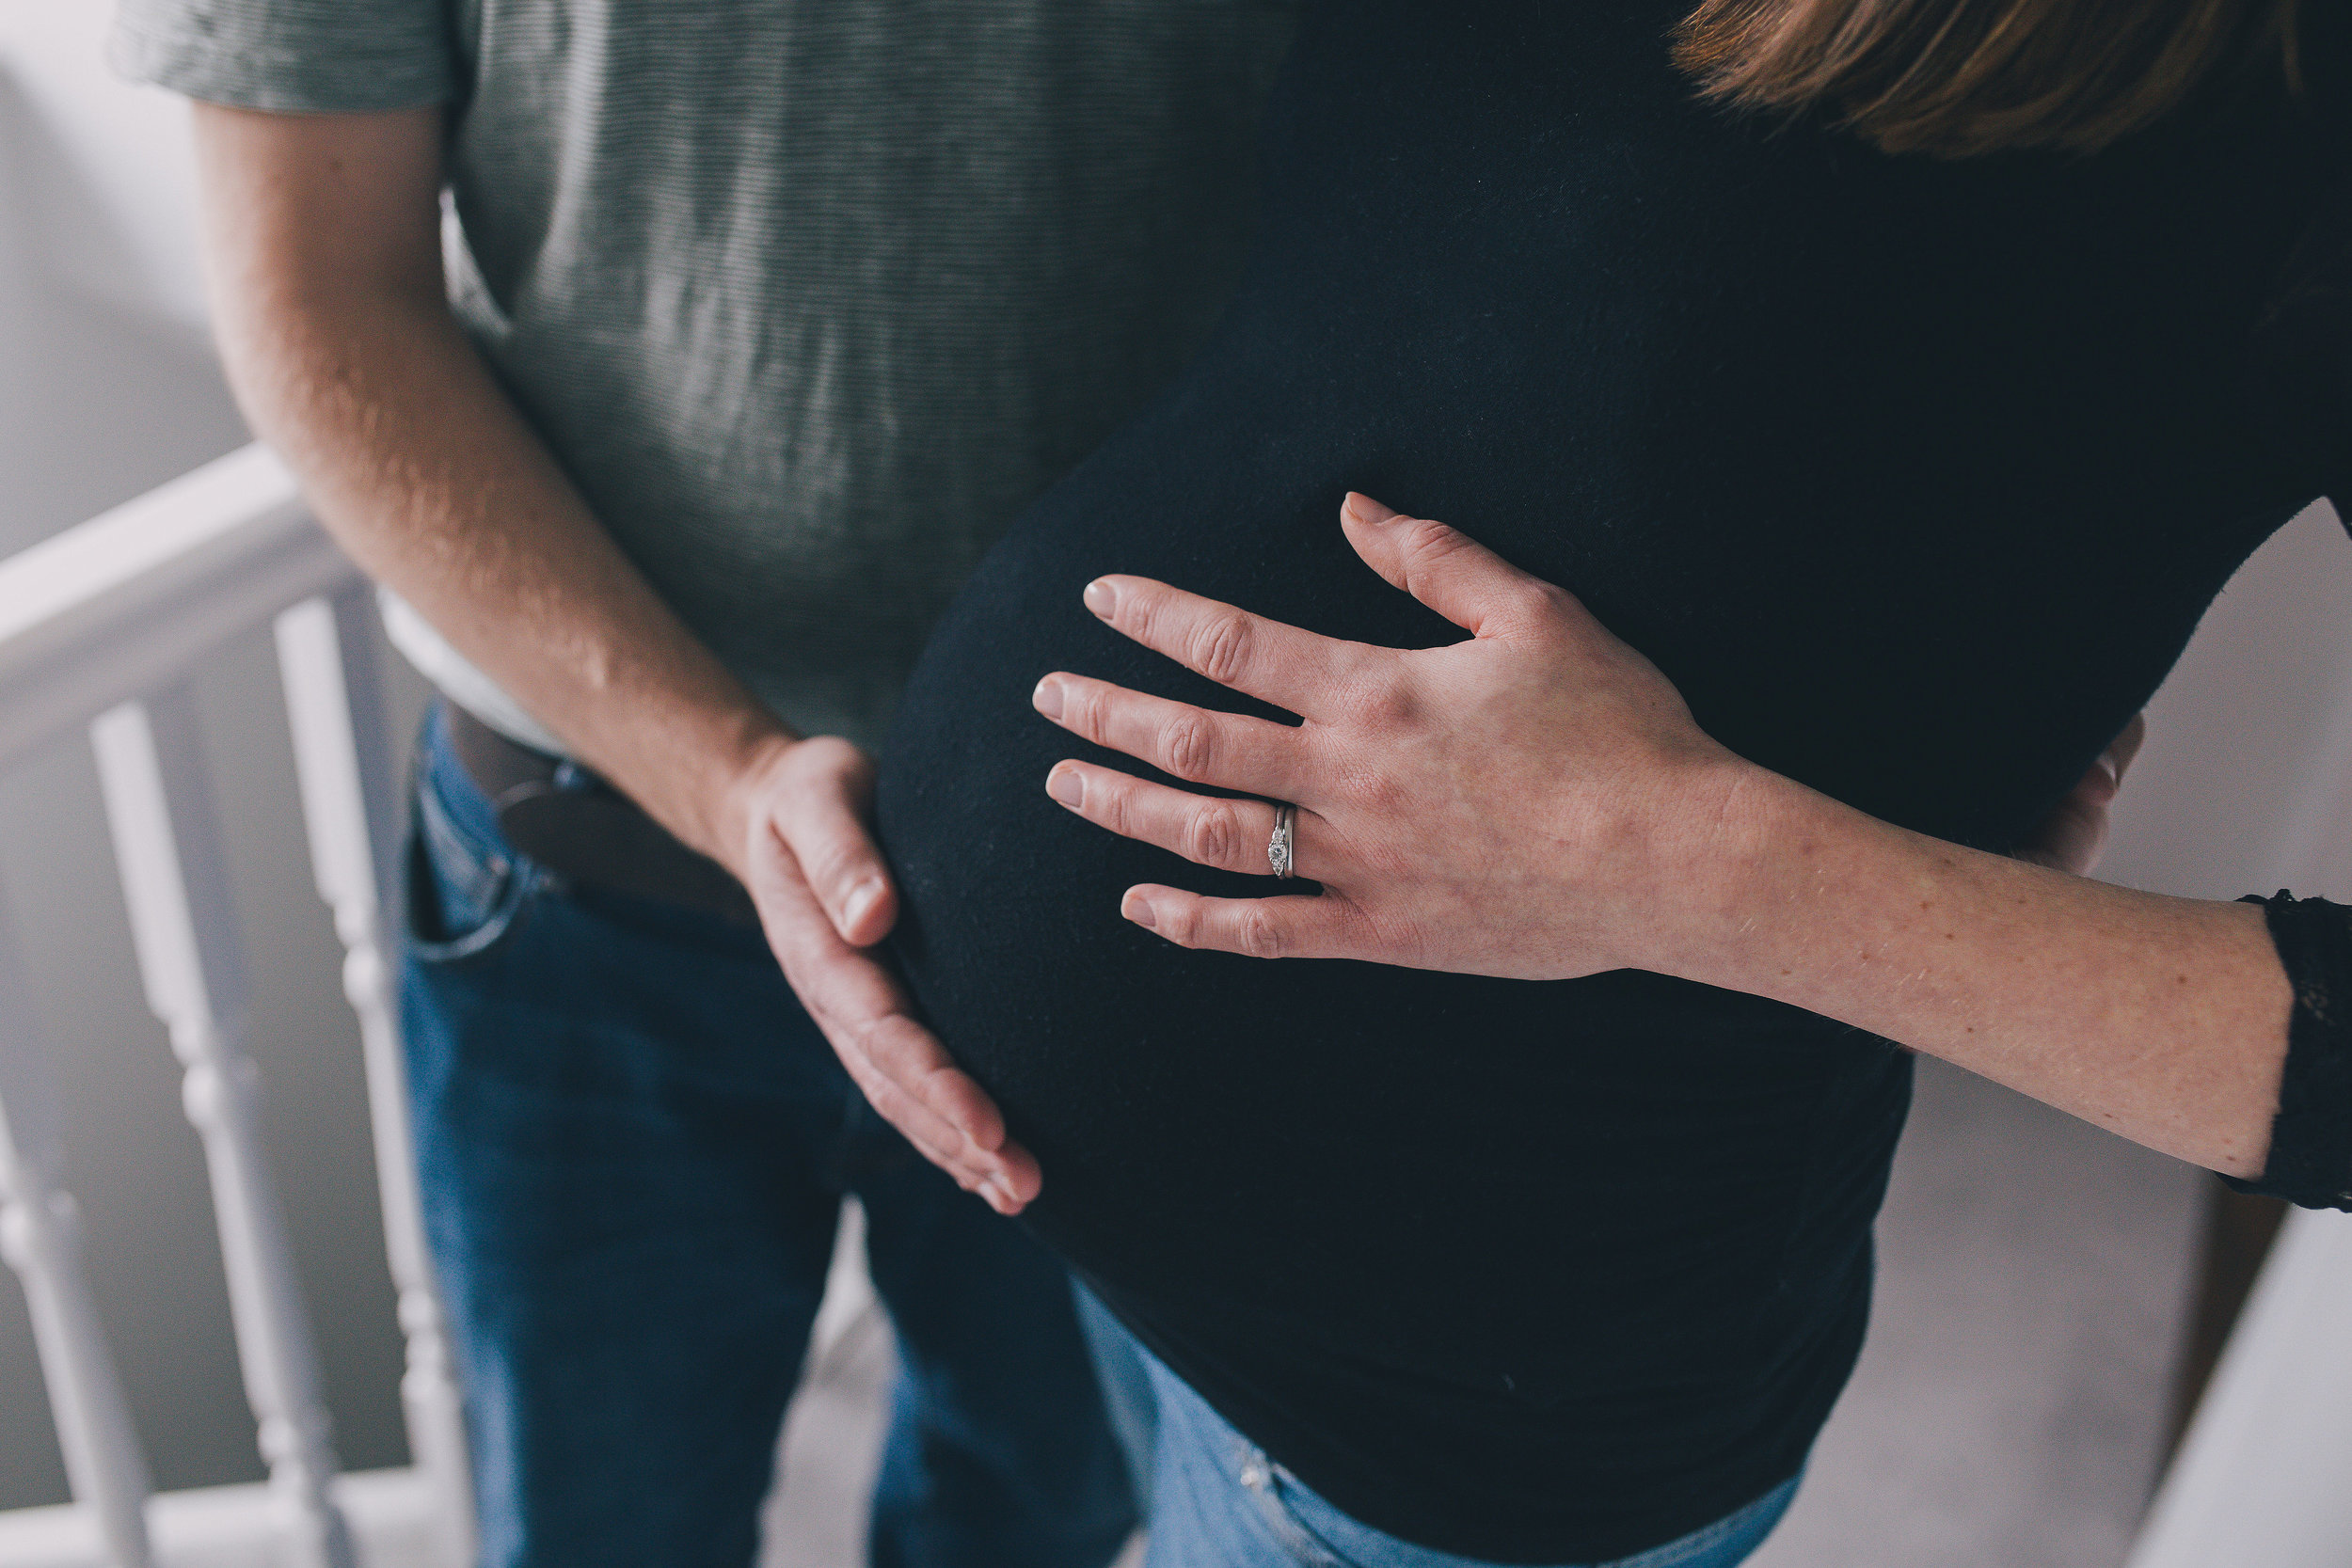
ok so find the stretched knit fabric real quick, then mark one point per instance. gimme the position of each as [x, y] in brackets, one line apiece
[1915, 477]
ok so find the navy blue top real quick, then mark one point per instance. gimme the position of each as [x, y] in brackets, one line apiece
[1913, 476]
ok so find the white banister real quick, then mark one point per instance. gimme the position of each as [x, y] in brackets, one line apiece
[40, 1238]
[344, 757]
[127, 601]
[94, 620]
[184, 927]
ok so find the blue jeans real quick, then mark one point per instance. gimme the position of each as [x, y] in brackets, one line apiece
[633, 1146]
[1216, 1497]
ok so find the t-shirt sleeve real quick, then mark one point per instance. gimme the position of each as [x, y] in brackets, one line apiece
[2310, 1138]
[291, 57]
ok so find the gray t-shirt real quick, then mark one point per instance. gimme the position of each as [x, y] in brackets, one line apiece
[810, 299]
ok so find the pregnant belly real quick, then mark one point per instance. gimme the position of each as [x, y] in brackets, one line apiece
[1474, 1179]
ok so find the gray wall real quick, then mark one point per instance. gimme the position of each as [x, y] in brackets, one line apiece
[106, 389]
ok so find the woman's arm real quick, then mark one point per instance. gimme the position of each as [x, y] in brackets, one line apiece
[1538, 802]
[2162, 1018]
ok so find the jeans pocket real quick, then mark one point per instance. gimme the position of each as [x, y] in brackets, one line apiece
[464, 897]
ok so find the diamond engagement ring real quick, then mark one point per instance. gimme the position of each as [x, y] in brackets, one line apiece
[1278, 849]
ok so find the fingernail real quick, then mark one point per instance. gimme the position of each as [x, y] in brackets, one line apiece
[1100, 597]
[1047, 697]
[854, 908]
[1367, 511]
[1138, 910]
[1064, 784]
[1000, 1197]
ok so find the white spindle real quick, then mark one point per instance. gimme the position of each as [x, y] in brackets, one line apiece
[41, 1237]
[174, 879]
[342, 753]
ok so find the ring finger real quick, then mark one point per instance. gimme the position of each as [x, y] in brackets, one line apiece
[1227, 751]
[1228, 835]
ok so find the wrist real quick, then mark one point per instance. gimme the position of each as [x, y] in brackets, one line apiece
[1746, 837]
[744, 782]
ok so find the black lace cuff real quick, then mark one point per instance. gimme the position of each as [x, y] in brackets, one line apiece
[2311, 1139]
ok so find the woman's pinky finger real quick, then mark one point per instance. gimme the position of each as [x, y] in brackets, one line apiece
[1294, 927]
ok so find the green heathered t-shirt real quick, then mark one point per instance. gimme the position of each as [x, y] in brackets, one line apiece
[809, 298]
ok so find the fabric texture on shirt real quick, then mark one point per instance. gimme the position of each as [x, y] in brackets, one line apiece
[808, 299]
[1915, 477]
[2310, 1160]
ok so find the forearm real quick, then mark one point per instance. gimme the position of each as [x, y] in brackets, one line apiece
[2164, 1020]
[425, 473]
[1538, 802]
[322, 244]
[322, 238]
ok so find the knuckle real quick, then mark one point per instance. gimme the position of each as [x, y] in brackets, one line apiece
[892, 1055]
[1220, 646]
[861, 1037]
[1139, 604]
[1180, 925]
[1427, 536]
[1537, 601]
[1258, 935]
[829, 863]
[1185, 746]
[1376, 791]
[823, 764]
[1376, 698]
[1082, 708]
[1113, 805]
[1209, 837]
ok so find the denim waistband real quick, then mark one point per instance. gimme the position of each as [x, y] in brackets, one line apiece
[461, 801]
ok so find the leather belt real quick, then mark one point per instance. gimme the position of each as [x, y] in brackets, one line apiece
[559, 815]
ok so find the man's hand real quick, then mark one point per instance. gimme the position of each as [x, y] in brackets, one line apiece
[800, 815]
[322, 240]
[2071, 837]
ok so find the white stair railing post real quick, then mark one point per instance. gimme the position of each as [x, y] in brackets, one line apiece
[40, 1238]
[350, 783]
[175, 882]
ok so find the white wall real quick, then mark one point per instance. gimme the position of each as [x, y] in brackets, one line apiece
[2246, 783]
[107, 387]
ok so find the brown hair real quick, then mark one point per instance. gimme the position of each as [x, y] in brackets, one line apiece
[1955, 78]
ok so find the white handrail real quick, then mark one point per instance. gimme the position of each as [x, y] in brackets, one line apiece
[102, 623]
[126, 602]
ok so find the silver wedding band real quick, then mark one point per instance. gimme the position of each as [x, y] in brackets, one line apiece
[1280, 849]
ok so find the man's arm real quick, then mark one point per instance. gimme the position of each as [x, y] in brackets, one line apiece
[322, 240]
[1538, 802]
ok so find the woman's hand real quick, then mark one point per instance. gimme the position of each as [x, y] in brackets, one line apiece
[1511, 805]
[1538, 802]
